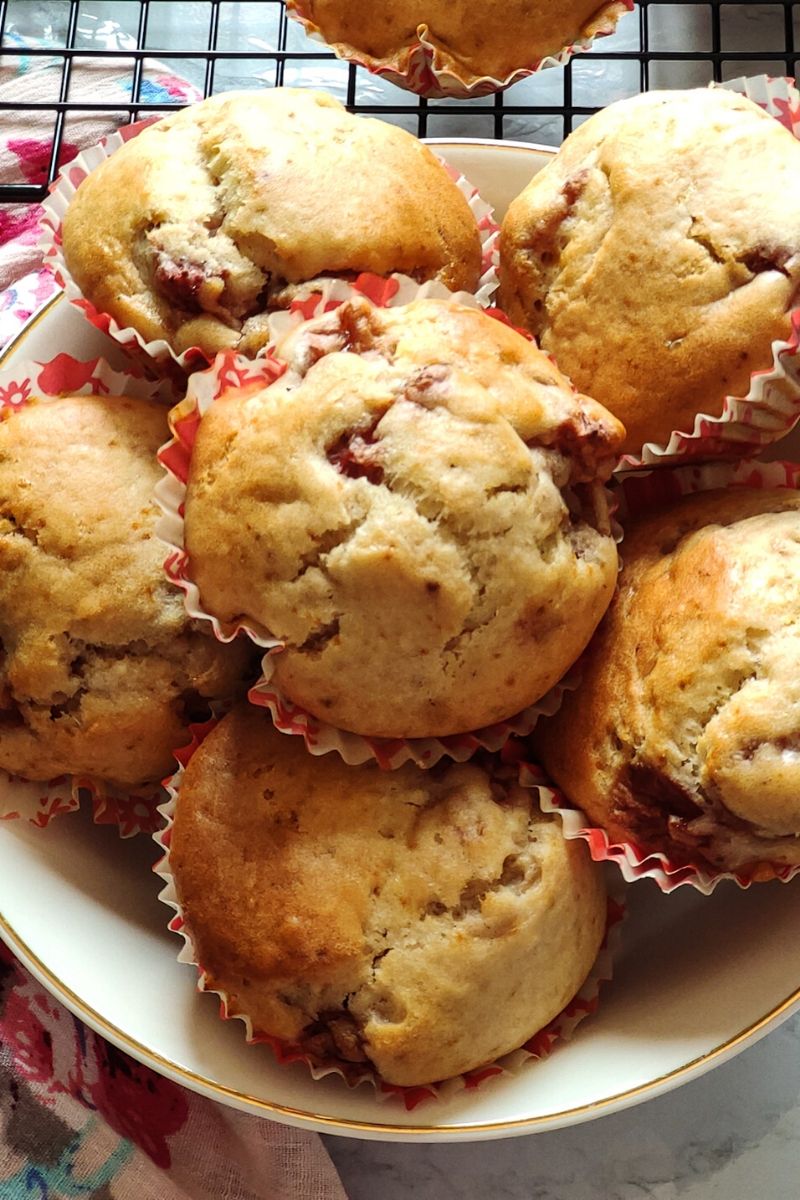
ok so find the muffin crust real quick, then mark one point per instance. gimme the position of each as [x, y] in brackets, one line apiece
[195, 228]
[684, 735]
[421, 922]
[414, 510]
[657, 257]
[100, 671]
[494, 38]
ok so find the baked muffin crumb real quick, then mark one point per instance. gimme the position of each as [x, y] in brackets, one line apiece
[683, 736]
[421, 923]
[418, 499]
[195, 228]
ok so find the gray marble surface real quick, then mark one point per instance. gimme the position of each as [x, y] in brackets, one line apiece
[734, 1134]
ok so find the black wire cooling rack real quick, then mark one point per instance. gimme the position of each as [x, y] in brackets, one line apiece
[218, 45]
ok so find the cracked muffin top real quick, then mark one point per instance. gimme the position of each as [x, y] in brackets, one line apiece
[658, 255]
[418, 922]
[415, 510]
[100, 670]
[198, 226]
[684, 735]
[494, 38]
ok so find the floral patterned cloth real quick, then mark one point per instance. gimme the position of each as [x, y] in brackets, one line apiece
[78, 1118]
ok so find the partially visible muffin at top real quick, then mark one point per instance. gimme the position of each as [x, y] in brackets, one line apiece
[684, 734]
[415, 509]
[197, 227]
[658, 255]
[469, 41]
[100, 670]
[419, 923]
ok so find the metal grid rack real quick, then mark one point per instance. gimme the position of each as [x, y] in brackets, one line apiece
[221, 44]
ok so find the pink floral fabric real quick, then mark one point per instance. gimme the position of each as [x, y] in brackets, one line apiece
[78, 1118]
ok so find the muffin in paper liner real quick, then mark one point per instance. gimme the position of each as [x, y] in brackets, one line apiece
[135, 810]
[53, 209]
[771, 407]
[636, 494]
[132, 809]
[323, 295]
[157, 355]
[540, 1045]
[233, 371]
[416, 66]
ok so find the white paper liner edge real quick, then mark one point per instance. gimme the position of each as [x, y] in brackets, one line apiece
[132, 810]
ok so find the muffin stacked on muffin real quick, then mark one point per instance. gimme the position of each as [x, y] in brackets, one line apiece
[101, 670]
[415, 508]
[206, 221]
[657, 256]
[415, 511]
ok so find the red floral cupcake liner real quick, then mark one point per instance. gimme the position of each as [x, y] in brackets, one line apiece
[637, 494]
[64, 375]
[771, 407]
[422, 74]
[157, 353]
[322, 296]
[540, 1045]
[204, 387]
[135, 811]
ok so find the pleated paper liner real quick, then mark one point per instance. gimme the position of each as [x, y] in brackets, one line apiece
[771, 407]
[157, 354]
[637, 494]
[540, 1045]
[204, 387]
[24, 381]
[416, 68]
[391, 753]
[132, 811]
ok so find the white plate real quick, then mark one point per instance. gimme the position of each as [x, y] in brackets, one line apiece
[696, 981]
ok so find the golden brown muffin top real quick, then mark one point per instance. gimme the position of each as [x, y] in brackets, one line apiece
[494, 38]
[423, 922]
[684, 734]
[190, 230]
[99, 662]
[657, 256]
[400, 509]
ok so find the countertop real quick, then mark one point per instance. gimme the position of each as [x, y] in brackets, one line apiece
[734, 1134]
